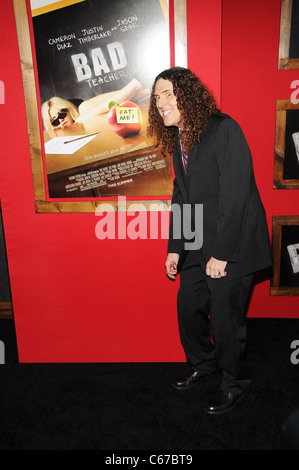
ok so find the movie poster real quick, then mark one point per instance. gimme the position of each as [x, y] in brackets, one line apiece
[96, 63]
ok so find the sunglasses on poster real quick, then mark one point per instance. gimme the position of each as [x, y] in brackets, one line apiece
[61, 115]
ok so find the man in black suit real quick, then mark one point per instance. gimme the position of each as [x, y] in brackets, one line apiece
[213, 169]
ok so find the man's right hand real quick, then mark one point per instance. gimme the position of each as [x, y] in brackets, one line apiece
[172, 264]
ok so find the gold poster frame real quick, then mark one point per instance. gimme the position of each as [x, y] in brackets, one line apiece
[284, 61]
[277, 223]
[282, 106]
[42, 205]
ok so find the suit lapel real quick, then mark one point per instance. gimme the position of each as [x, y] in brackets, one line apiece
[183, 179]
[179, 169]
[191, 158]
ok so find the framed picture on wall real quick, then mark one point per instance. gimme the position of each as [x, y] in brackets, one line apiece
[289, 35]
[88, 67]
[285, 242]
[286, 159]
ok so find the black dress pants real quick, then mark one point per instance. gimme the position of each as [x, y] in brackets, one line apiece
[212, 323]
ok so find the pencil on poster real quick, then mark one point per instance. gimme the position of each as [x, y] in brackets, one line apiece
[81, 137]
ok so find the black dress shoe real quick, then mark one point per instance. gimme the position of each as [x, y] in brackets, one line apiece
[190, 378]
[222, 402]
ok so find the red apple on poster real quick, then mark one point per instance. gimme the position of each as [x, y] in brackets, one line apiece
[125, 118]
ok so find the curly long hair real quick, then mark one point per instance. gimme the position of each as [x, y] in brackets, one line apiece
[195, 103]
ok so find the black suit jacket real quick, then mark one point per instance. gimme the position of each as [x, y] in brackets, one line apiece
[220, 177]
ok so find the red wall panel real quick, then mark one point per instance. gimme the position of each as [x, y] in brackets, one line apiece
[77, 298]
[251, 84]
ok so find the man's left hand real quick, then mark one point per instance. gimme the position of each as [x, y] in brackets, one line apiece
[215, 268]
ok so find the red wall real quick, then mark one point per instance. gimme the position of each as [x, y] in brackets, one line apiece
[251, 84]
[77, 298]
